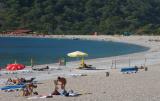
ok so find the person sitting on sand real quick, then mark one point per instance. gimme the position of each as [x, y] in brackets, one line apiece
[25, 92]
[84, 65]
[31, 86]
[62, 82]
[55, 92]
[28, 90]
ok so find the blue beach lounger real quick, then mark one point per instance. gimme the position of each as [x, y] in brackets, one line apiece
[129, 70]
[14, 87]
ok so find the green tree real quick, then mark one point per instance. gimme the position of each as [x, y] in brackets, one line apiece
[81, 16]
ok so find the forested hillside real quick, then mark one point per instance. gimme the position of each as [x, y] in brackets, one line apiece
[81, 16]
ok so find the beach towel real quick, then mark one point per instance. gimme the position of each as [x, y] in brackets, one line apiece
[40, 96]
[64, 93]
[70, 93]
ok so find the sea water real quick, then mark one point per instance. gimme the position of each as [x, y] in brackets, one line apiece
[47, 50]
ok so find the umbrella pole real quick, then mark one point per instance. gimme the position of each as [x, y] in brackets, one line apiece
[31, 62]
[129, 62]
[82, 62]
[145, 62]
[15, 61]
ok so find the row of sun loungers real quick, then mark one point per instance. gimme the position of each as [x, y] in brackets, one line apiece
[16, 72]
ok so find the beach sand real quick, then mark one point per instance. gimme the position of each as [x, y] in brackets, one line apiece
[141, 86]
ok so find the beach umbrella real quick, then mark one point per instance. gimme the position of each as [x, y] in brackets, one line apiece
[78, 54]
[15, 66]
[31, 62]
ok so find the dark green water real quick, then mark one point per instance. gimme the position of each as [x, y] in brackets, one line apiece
[44, 51]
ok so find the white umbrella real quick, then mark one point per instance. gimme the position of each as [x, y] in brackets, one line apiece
[77, 54]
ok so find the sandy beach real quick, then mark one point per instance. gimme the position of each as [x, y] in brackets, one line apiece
[140, 86]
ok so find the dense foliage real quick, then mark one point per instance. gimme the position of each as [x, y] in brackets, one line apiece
[81, 16]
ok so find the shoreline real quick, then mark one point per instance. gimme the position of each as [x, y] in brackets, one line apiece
[91, 37]
[137, 58]
[141, 86]
[81, 37]
[107, 61]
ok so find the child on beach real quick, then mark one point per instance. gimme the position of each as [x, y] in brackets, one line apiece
[28, 90]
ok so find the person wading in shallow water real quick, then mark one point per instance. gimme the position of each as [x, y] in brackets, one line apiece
[62, 82]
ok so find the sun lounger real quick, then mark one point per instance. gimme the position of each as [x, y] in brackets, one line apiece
[129, 70]
[14, 87]
[90, 68]
[41, 68]
[87, 67]
[75, 75]
[15, 72]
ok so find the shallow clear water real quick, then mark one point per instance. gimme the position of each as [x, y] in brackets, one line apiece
[44, 51]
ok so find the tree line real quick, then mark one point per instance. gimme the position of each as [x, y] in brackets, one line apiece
[81, 16]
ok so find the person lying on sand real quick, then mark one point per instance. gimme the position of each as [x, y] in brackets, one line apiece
[19, 81]
[84, 65]
[13, 81]
[23, 80]
[40, 68]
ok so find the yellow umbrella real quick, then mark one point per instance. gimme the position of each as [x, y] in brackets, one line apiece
[78, 54]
